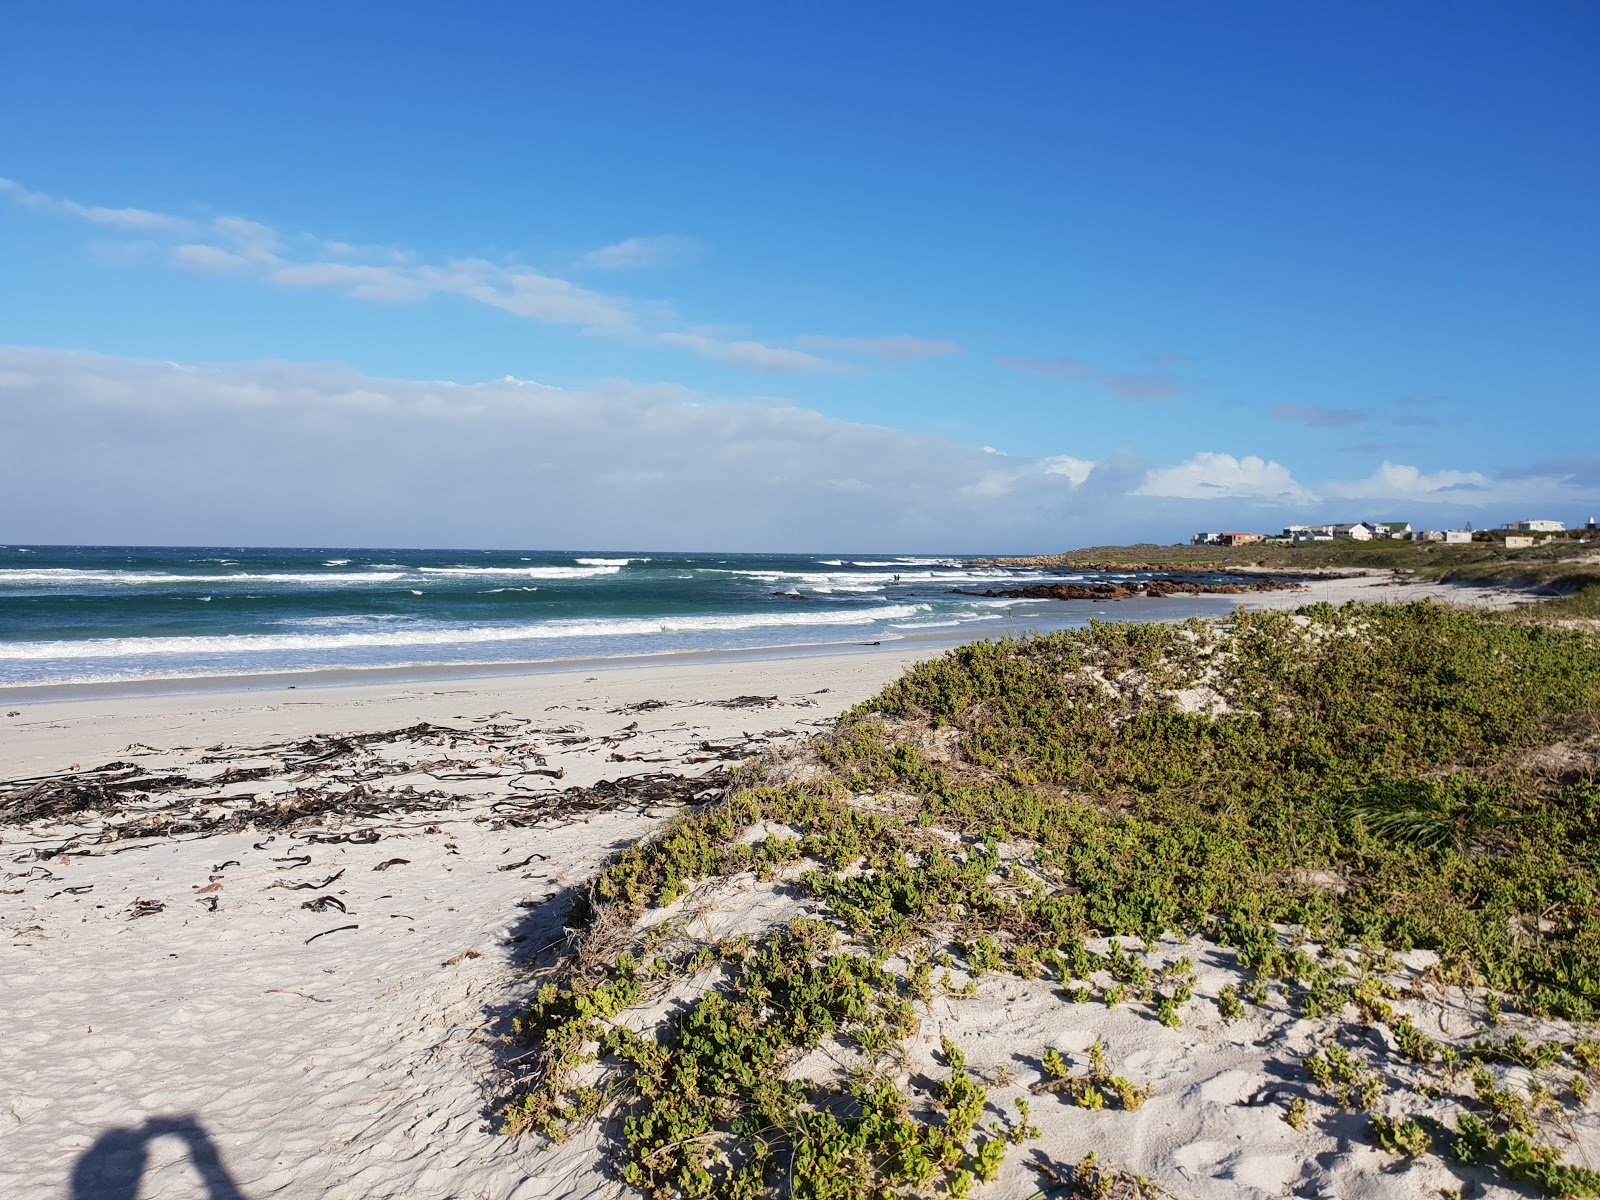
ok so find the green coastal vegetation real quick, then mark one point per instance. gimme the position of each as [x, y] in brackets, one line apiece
[1317, 792]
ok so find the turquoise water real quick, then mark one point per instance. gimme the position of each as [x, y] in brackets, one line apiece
[83, 613]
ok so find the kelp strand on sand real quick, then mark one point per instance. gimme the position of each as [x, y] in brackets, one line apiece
[346, 781]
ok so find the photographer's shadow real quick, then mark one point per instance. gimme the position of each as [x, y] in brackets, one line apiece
[112, 1168]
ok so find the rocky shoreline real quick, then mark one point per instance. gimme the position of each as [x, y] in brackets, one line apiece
[1154, 589]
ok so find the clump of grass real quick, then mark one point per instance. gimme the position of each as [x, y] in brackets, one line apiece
[1405, 1137]
[1092, 1088]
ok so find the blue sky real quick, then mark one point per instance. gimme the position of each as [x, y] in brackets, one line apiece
[1175, 266]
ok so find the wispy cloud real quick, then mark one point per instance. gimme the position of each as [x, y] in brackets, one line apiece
[642, 253]
[897, 346]
[1577, 472]
[136, 220]
[1317, 416]
[242, 248]
[1124, 385]
[1422, 412]
[775, 360]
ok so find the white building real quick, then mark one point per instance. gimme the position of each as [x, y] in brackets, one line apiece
[1530, 526]
[1357, 532]
[1457, 537]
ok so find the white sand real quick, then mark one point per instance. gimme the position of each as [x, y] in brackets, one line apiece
[1384, 587]
[356, 1065]
[226, 1055]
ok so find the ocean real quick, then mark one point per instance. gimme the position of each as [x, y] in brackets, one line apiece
[90, 614]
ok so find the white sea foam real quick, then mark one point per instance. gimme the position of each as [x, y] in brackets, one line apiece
[337, 562]
[469, 635]
[351, 621]
[69, 575]
[949, 624]
[872, 581]
[907, 562]
[608, 562]
[525, 572]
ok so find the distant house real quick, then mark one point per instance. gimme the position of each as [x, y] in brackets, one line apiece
[1517, 543]
[1421, 535]
[1539, 526]
[1457, 537]
[1388, 529]
[1356, 533]
[1235, 538]
[1309, 533]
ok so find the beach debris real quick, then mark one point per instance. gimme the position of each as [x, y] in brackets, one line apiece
[145, 908]
[462, 957]
[294, 992]
[636, 792]
[326, 932]
[642, 706]
[518, 865]
[357, 788]
[323, 903]
[391, 862]
[71, 891]
[307, 887]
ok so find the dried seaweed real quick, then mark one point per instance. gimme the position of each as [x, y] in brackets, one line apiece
[350, 788]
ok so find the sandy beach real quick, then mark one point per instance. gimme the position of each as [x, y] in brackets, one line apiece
[359, 1063]
[288, 977]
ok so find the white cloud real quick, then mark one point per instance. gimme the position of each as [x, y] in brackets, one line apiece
[641, 253]
[135, 220]
[896, 346]
[1211, 476]
[197, 256]
[775, 360]
[1141, 384]
[247, 248]
[1394, 481]
[1075, 469]
[123, 451]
